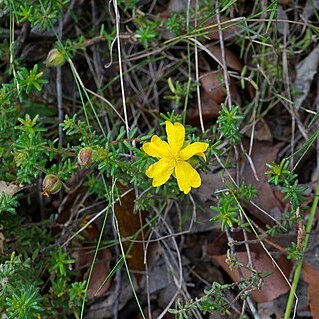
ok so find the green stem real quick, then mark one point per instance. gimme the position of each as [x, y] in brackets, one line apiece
[298, 268]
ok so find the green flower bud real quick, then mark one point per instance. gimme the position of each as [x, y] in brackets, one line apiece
[85, 156]
[51, 184]
[55, 58]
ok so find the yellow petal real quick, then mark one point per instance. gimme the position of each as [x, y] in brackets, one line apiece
[156, 147]
[201, 155]
[197, 148]
[187, 177]
[175, 136]
[160, 171]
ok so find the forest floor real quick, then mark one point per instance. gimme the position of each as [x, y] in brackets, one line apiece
[81, 222]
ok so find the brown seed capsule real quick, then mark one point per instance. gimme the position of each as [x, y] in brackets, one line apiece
[51, 184]
[85, 156]
[55, 58]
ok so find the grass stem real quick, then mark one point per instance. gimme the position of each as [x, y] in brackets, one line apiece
[299, 264]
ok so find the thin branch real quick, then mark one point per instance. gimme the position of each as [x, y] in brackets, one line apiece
[117, 25]
[222, 48]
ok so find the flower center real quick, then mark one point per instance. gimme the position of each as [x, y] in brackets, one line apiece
[175, 157]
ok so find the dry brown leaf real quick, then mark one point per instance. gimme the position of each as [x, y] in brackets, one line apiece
[213, 93]
[261, 131]
[306, 70]
[213, 88]
[282, 23]
[83, 256]
[267, 198]
[308, 10]
[210, 110]
[211, 182]
[130, 224]
[213, 83]
[2, 241]
[311, 275]
[272, 309]
[9, 188]
[104, 307]
[100, 272]
[273, 286]
[232, 60]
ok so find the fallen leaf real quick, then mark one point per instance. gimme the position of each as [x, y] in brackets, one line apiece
[273, 286]
[267, 199]
[232, 60]
[282, 23]
[83, 257]
[272, 309]
[104, 307]
[211, 182]
[9, 188]
[161, 279]
[98, 286]
[213, 93]
[2, 241]
[130, 224]
[83, 254]
[209, 110]
[306, 70]
[308, 10]
[311, 275]
[261, 131]
[213, 83]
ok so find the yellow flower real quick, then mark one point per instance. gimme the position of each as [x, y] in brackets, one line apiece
[173, 158]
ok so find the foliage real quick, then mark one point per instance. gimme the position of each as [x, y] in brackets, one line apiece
[229, 120]
[21, 297]
[98, 121]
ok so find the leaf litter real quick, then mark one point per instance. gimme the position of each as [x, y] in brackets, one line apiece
[170, 270]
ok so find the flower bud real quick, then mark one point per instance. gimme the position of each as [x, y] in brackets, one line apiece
[51, 184]
[85, 156]
[55, 58]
